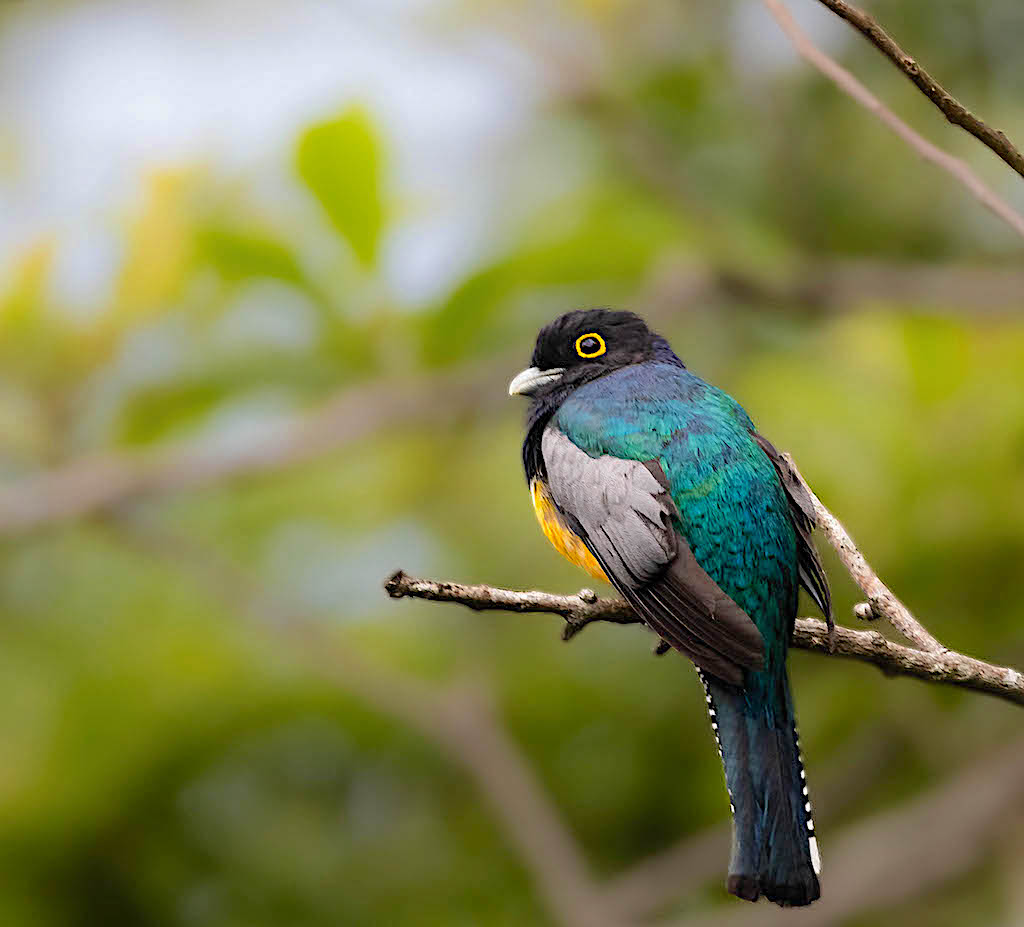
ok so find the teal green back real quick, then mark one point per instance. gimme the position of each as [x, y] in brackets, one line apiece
[733, 511]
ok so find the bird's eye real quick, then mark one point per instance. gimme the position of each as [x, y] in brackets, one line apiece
[590, 345]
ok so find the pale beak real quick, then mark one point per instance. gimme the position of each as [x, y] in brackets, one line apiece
[528, 381]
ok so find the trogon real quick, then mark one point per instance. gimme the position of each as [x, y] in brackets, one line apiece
[650, 478]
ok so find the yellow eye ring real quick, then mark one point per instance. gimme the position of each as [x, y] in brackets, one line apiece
[600, 341]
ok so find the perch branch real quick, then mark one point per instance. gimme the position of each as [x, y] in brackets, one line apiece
[927, 659]
[881, 602]
[945, 666]
[855, 89]
[954, 111]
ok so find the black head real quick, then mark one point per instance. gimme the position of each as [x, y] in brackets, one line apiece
[583, 345]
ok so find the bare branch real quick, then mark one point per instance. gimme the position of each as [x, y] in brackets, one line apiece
[839, 285]
[849, 84]
[880, 599]
[578, 610]
[460, 719]
[822, 287]
[102, 483]
[944, 666]
[469, 729]
[954, 111]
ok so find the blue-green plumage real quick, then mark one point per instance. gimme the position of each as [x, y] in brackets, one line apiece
[732, 509]
[734, 512]
[706, 539]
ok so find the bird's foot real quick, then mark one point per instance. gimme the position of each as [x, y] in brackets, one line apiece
[830, 623]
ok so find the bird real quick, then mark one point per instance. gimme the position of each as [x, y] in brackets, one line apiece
[653, 480]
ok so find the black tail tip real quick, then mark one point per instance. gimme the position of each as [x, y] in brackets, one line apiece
[743, 886]
[794, 895]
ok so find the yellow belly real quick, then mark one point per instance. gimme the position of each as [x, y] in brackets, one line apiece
[561, 538]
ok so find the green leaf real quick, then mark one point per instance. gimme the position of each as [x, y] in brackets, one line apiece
[588, 248]
[340, 162]
[239, 254]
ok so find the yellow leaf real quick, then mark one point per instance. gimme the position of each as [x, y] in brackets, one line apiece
[25, 300]
[159, 249]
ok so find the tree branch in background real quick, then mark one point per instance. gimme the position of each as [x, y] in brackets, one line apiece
[458, 718]
[849, 84]
[102, 483]
[826, 287]
[954, 111]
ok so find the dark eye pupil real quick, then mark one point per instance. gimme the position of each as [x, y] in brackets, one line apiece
[590, 345]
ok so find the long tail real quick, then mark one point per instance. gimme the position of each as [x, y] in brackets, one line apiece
[774, 850]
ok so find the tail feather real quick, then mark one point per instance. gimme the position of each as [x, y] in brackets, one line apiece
[775, 852]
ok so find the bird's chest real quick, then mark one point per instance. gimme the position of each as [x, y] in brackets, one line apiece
[558, 532]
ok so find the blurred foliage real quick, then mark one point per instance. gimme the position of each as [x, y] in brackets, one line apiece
[170, 757]
[340, 163]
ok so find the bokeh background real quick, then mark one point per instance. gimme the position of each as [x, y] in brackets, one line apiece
[265, 271]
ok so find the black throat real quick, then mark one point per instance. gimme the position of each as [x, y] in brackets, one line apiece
[537, 420]
[543, 406]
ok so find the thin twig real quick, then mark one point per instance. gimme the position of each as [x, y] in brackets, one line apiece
[882, 602]
[855, 89]
[954, 111]
[943, 666]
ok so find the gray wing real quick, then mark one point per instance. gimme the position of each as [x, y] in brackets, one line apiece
[801, 512]
[622, 511]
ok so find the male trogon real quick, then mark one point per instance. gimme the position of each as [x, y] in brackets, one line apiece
[648, 477]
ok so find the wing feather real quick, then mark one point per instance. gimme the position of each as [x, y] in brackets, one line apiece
[801, 512]
[623, 512]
